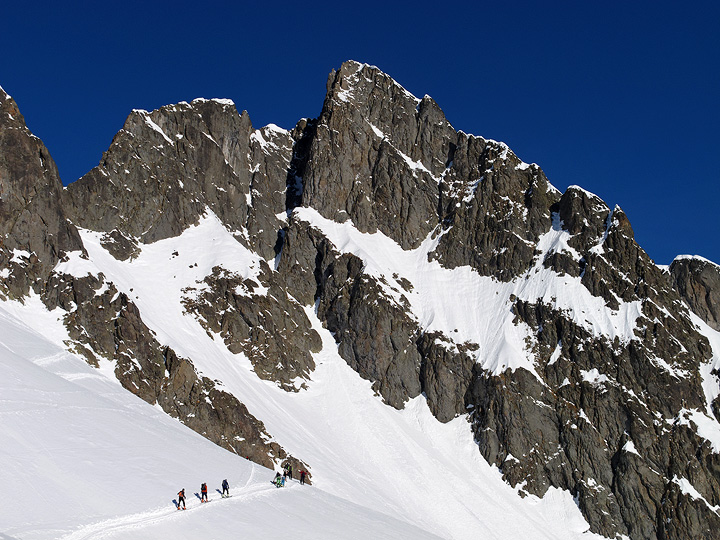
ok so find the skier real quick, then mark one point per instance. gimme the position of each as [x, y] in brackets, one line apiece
[181, 499]
[302, 478]
[225, 488]
[203, 492]
[278, 480]
[289, 470]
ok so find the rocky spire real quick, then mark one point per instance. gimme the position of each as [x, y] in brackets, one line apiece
[166, 167]
[34, 230]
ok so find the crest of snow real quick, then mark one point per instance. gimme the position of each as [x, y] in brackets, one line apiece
[265, 135]
[522, 166]
[696, 258]
[19, 255]
[216, 100]
[594, 376]
[359, 67]
[707, 427]
[154, 126]
[275, 128]
[4, 273]
[629, 446]
[688, 489]
[590, 194]
[502, 146]
[7, 96]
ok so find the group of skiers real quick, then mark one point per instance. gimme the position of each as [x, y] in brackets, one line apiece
[203, 494]
[279, 481]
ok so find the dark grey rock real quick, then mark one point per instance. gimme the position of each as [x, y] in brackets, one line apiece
[260, 320]
[698, 283]
[165, 167]
[32, 220]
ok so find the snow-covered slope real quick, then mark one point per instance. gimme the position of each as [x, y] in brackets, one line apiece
[120, 458]
[82, 458]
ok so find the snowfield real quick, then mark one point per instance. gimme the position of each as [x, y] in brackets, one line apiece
[83, 458]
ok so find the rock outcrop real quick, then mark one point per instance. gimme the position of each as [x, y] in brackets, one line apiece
[166, 167]
[34, 231]
[697, 281]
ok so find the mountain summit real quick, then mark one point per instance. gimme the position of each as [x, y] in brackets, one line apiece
[212, 267]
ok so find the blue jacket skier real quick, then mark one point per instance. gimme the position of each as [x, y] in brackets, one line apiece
[225, 488]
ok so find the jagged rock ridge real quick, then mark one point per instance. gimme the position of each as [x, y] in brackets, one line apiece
[602, 401]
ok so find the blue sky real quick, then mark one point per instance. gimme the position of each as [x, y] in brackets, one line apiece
[621, 98]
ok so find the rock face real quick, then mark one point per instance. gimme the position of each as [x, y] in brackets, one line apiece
[608, 399]
[698, 283]
[166, 167]
[34, 230]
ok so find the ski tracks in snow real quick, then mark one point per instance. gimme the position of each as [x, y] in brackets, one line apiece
[110, 527]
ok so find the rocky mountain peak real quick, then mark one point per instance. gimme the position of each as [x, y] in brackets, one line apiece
[34, 230]
[486, 290]
[166, 167]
